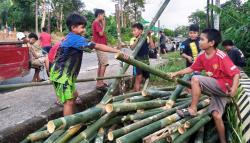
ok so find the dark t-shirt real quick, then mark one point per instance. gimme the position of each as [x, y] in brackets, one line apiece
[190, 48]
[237, 57]
[144, 51]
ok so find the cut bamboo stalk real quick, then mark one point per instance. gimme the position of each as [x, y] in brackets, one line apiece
[192, 130]
[123, 107]
[172, 137]
[38, 136]
[137, 99]
[192, 122]
[54, 136]
[127, 129]
[145, 84]
[141, 132]
[65, 137]
[22, 85]
[163, 132]
[199, 136]
[87, 133]
[27, 140]
[128, 95]
[113, 121]
[155, 93]
[107, 97]
[71, 120]
[100, 136]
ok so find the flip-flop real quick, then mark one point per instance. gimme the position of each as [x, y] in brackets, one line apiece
[184, 113]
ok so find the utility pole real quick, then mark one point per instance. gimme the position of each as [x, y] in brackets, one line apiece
[36, 16]
[118, 25]
[217, 16]
[208, 21]
[212, 15]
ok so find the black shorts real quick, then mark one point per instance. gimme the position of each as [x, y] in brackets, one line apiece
[46, 49]
[139, 71]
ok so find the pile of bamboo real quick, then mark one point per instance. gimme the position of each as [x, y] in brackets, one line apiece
[133, 117]
[147, 116]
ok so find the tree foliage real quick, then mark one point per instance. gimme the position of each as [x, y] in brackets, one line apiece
[198, 17]
[133, 9]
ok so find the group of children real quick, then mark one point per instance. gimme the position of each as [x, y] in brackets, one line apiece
[200, 52]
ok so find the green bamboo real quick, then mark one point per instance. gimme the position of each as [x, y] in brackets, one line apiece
[199, 136]
[113, 121]
[172, 137]
[145, 86]
[123, 107]
[38, 136]
[155, 93]
[140, 116]
[54, 136]
[161, 141]
[92, 129]
[107, 97]
[190, 123]
[132, 127]
[128, 95]
[141, 132]
[26, 140]
[66, 136]
[22, 85]
[163, 133]
[71, 120]
[137, 99]
[100, 136]
[192, 130]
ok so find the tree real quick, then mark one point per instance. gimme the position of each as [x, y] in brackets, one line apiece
[199, 18]
[181, 31]
[133, 9]
[169, 32]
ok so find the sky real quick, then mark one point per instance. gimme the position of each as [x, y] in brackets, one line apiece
[175, 14]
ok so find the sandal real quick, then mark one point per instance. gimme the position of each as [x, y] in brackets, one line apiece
[58, 103]
[78, 100]
[184, 113]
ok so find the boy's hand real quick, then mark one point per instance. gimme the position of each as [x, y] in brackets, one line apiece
[231, 91]
[190, 59]
[173, 75]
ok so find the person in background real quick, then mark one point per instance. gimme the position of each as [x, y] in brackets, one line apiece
[234, 53]
[163, 39]
[45, 40]
[190, 49]
[99, 36]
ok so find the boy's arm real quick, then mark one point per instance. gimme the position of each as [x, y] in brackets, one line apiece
[234, 87]
[105, 48]
[181, 72]
[189, 58]
[101, 33]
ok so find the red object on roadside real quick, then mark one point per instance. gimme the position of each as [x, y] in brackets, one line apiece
[14, 60]
[53, 51]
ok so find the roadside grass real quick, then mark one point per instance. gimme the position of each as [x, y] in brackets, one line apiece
[175, 63]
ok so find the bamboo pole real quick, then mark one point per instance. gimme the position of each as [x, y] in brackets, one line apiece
[155, 93]
[123, 107]
[87, 133]
[137, 134]
[22, 85]
[107, 97]
[127, 129]
[38, 136]
[71, 120]
[192, 130]
[136, 99]
[199, 136]
[54, 136]
[128, 95]
[65, 137]
[100, 136]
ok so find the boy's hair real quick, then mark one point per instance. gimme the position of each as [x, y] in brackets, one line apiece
[138, 26]
[213, 35]
[98, 12]
[33, 35]
[44, 29]
[227, 43]
[75, 20]
[194, 27]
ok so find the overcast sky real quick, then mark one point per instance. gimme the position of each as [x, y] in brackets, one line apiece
[174, 15]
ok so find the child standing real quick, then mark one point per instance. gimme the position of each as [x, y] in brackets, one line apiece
[190, 49]
[67, 65]
[222, 78]
[142, 55]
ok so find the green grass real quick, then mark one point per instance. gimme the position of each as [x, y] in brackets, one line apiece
[175, 63]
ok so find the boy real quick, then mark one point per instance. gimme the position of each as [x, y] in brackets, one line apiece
[45, 40]
[234, 53]
[142, 55]
[99, 36]
[37, 58]
[163, 42]
[222, 78]
[67, 65]
[189, 49]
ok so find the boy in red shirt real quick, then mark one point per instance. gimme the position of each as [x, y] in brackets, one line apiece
[45, 40]
[222, 78]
